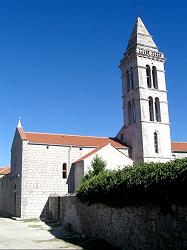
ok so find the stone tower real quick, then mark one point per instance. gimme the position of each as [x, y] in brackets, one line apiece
[145, 107]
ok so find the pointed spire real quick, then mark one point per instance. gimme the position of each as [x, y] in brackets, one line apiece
[140, 36]
[19, 123]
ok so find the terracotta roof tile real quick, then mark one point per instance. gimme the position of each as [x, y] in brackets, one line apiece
[179, 146]
[22, 133]
[83, 141]
[4, 170]
[72, 140]
[90, 153]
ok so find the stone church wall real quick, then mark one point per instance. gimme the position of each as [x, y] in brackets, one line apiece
[42, 175]
[179, 155]
[10, 184]
[16, 175]
[143, 227]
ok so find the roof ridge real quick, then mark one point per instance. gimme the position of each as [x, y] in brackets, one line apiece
[65, 139]
[5, 171]
[45, 133]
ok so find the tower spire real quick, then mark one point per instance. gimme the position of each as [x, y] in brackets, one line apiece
[140, 36]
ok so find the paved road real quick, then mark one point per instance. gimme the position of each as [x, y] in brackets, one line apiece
[33, 235]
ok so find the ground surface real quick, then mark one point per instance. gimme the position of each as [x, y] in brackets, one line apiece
[34, 234]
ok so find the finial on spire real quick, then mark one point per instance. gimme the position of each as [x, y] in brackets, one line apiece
[19, 122]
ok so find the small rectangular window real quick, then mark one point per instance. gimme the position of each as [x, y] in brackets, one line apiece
[156, 142]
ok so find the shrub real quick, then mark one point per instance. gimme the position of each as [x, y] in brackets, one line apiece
[144, 183]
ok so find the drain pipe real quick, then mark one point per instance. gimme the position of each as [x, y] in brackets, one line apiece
[69, 157]
[69, 167]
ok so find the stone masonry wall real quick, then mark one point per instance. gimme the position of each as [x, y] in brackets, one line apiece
[42, 175]
[16, 175]
[10, 185]
[144, 227]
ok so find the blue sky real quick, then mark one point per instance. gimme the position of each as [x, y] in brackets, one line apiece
[59, 64]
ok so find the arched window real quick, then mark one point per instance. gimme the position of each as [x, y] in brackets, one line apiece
[130, 112]
[151, 112]
[133, 111]
[128, 81]
[156, 142]
[132, 79]
[155, 80]
[148, 75]
[64, 171]
[157, 110]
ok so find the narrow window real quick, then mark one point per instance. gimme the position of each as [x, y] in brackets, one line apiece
[157, 110]
[132, 79]
[151, 113]
[130, 112]
[133, 111]
[148, 75]
[64, 171]
[156, 142]
[128, 81]
[154, 75]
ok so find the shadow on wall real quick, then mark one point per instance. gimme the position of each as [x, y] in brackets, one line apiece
[45, 212]
[51, 210]
[51, 216]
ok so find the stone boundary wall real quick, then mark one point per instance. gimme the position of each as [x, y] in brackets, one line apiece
[143, 227]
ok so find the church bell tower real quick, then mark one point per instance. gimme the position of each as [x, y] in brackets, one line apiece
[145, 107]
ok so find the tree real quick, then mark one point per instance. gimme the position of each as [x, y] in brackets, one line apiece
[98, 165]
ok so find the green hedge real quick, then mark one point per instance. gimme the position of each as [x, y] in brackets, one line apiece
[160, 183]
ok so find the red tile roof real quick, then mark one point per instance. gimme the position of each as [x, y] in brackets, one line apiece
[22, 133]
[83, 141]
[4, 170]
[179, 146]
[90, 153]
[72, 140]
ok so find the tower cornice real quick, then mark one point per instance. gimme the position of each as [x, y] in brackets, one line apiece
[143, 52]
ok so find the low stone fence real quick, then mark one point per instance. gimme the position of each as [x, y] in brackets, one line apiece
[143, 227]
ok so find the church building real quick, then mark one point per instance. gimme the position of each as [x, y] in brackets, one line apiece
[44, 164]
